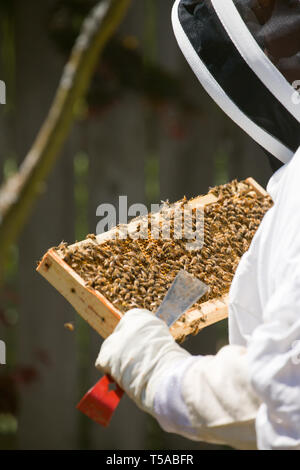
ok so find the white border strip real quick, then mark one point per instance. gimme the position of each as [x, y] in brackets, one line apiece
[270, 143]
[253, 55]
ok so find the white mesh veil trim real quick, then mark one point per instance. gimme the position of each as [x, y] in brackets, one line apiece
[262, 137]
[253, 55]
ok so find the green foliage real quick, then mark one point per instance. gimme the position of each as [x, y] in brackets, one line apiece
[81, 198]
[10, 167]
[221, 164]
[8, 423]
[81, 194]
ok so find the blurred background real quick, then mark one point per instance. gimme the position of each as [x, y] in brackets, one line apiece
[145, 129]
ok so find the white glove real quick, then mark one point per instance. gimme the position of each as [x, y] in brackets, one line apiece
[205, 398]
[138, 354]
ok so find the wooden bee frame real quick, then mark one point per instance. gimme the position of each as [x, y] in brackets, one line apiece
[101, 314]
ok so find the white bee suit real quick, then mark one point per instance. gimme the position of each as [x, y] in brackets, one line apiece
[248, 393]
[265, 313]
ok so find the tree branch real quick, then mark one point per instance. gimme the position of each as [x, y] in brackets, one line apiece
[18, 194]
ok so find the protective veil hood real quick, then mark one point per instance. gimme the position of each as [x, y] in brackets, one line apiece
[246, 54]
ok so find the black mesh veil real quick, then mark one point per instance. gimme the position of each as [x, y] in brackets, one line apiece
[275, 24]
[246, 53]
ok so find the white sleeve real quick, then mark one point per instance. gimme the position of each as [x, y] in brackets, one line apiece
[274, 366]
[206, 398]
[210, 398]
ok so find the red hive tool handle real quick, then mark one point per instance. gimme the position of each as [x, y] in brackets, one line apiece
[100, 402]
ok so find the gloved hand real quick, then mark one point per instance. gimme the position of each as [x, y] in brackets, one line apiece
[138, 354]
[205, 398]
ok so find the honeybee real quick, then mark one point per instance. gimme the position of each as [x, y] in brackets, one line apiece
[69, 326]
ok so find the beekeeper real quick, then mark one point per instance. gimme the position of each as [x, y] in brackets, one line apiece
[246, 54]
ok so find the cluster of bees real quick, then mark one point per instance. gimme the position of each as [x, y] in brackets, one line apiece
[138, 272]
